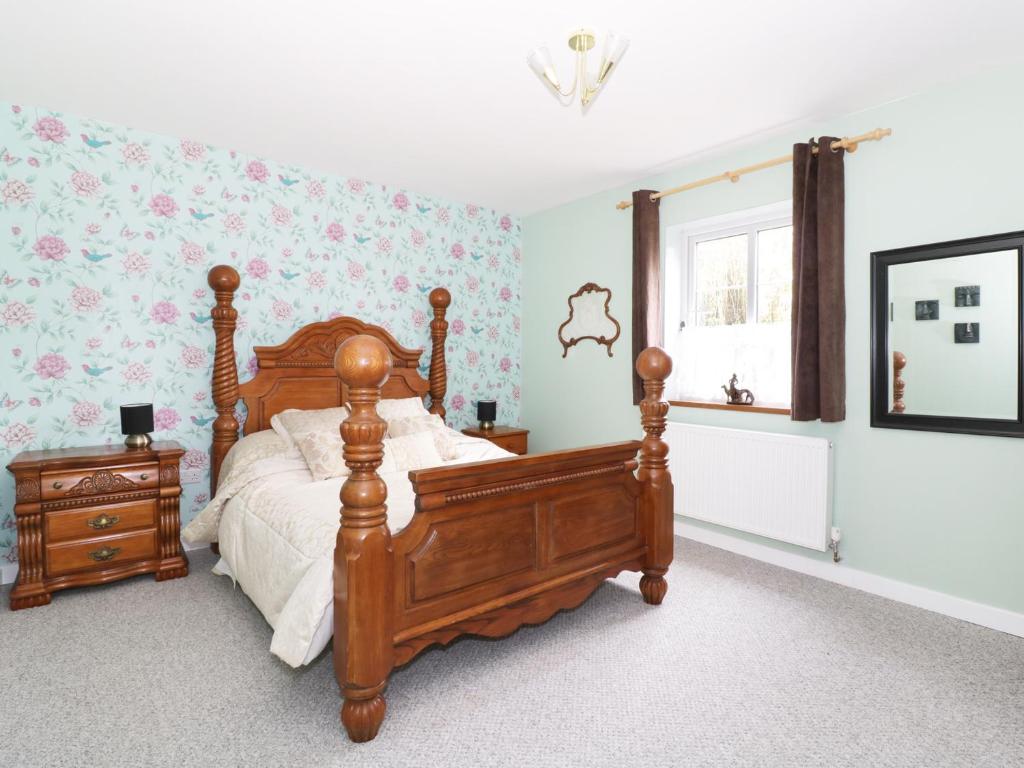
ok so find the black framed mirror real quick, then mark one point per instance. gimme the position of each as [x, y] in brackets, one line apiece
[946, 336]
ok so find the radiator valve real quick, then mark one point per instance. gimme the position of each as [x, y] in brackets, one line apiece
[833, 544]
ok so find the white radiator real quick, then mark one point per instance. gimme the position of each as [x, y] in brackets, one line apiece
[779, 486]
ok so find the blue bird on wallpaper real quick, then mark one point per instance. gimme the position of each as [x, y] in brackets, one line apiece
[476, 256]
[286, 181]
[200, 318]
[94, 143]
[423, 288]
[199, 215]
[476, 331]
[360, 239]
[95, 257]
[422, 208]
[288, 275]
[202, 422]
[92, 370]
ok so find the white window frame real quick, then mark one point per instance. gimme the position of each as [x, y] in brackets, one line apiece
[681, 261]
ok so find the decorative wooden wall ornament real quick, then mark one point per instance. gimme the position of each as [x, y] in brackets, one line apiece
[588, 319]
[899, 362]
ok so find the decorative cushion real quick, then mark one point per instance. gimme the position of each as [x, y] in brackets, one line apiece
[415, 451]
[444, 439]
[298, 423]
[322, 451]
[401, 408]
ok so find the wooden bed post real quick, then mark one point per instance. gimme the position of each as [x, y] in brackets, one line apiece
[224, 282]
[440, 299]
[654, 366]
[363, 567]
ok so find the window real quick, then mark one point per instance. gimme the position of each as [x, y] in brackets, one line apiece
[728, 294]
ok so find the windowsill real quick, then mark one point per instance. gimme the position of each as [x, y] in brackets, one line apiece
[779, 410]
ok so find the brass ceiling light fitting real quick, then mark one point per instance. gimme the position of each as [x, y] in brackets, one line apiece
[581, 42]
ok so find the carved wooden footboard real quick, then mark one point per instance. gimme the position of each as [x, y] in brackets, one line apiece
[493, 545]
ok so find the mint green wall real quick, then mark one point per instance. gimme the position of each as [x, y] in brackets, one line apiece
[941, 511]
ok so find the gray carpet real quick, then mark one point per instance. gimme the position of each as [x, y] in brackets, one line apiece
[745, 664]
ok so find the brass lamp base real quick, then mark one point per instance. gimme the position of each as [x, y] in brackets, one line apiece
[138, 441]
[486, 425]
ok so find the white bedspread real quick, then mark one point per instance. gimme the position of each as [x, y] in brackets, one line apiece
[277, 527]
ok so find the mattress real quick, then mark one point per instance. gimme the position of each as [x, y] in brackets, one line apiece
[277, 527]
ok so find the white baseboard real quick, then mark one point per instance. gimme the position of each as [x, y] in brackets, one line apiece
[948, 605]
[9, 572]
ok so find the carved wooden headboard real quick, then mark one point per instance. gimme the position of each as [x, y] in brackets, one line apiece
[300, 372]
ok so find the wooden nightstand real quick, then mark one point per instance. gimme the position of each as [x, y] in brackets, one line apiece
[510, 438]
[93, 515]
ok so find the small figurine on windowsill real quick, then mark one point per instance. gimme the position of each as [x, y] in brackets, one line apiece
[736, 396]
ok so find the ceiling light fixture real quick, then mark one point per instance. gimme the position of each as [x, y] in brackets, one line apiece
[581, 41]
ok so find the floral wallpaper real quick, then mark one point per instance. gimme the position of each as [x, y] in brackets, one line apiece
[107, 234]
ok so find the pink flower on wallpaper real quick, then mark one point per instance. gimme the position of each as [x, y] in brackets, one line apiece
[150, 235]
[165, 418]
[194, 459]
[472, 284]
[16, 109]
[85, 414]
[281, 216]
[34, 282]
[15, 230]
[492, 333]
[418, 238]
[234, 223]
[384, 245]
[252, 367]
[135, 264]
[457, 327]
[356, 186]
[16, 352]
[193, 357]
[134, 153]
[34, 162]
[18, 434]
[419, 318]
[51, 129]
[35, 402]
[492, 262]
[316, 281]
[315, 189]
[356, 271]
[505, 365]
[505, 223]
[199, 397]
[192, 253]
[516, 255]
[199, 293]
[401, 284]
[93, 229]
[17, 192]
[515, 393]
[257, 171]
[335, 232]
[93, 342]
[15, 314]
[458, 403]
[282, 310]
[505, 294]
[516, 323]
[192, 150]
[443, 216]
[198, 190]
[257, 268]
[85, 184]
[458, 251]
[400, 201]
[472, 358]
[163, 205]
[472, 210]
[51, 247]
[136, 373]
[85, 299]
[51, 366]
[286, 252]
[164, 312]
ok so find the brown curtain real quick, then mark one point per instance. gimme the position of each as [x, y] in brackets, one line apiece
[819, 304]
[647, 318]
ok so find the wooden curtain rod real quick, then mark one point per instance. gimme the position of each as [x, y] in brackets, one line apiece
[849, 144]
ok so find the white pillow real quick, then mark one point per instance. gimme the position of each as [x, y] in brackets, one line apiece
[295, 423]
[402, 408]
[444, 441]
[322, 451]
[415, 451]
[278, 427]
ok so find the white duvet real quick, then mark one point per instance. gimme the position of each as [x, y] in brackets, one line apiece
[277, 527]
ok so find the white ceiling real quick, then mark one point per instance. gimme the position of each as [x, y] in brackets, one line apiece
[436, 96]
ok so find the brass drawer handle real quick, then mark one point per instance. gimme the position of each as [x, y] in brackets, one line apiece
[58, 485]
[103, 521]
[106, 553]
[144, 476]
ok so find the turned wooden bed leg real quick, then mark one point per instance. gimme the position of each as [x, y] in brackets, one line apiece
[654, 366]
[224, 281]
[440, 299]
[363, 566]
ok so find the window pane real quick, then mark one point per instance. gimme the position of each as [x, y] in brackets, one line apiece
[774, 274]
[720, 280]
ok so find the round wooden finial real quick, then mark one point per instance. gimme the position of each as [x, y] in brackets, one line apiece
[363, 361]
[899, 360]
[654, 363]
[223, 278]
[440, 298]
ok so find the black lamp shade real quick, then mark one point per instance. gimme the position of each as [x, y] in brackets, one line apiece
[486, 410]
[137, 419]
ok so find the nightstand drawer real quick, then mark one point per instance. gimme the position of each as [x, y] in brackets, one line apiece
[85, 483]
[97, 521]
[511, 443]
[99, 553]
